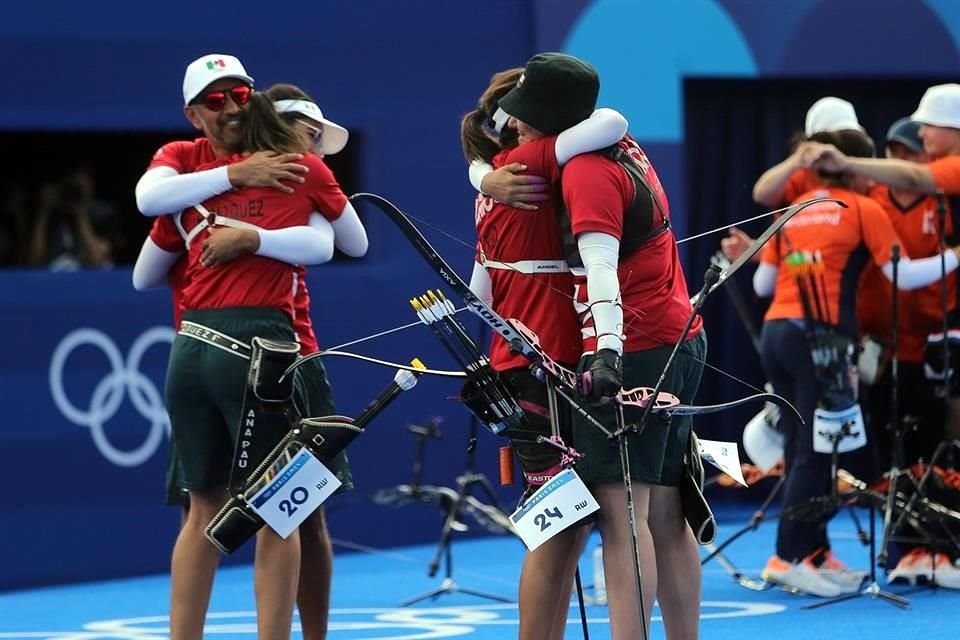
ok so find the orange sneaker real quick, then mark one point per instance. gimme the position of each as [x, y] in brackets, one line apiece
[915, 566]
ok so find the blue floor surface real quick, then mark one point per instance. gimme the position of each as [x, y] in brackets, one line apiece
[370, 584]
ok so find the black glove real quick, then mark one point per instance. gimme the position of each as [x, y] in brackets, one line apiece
[603, 377]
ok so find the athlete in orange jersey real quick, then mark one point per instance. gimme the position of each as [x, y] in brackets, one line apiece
[939, 115]
[812, 268]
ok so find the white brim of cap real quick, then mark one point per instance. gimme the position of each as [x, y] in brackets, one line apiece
[933, 119]
[334, 138]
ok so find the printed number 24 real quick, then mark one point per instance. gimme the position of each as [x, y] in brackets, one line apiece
[541, 518]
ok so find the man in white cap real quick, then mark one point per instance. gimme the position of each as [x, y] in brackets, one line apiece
[786, 181]
[216, 88]
[216, 91]
[939, 116]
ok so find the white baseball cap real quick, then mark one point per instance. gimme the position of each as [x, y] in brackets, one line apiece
[940, 106]
[209, 68]
[831, 114]
[334, 137]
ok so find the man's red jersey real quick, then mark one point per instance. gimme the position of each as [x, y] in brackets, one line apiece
[920, 310]
[523, 254]
[183, 156]
[656, 303]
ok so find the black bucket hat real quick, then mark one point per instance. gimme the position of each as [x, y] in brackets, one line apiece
[555, 92]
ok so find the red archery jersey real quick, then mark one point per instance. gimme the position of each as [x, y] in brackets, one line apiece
[523, 254]
[656, 303]
[189, 156]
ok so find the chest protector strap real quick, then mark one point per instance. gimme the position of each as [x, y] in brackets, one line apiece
[643, 221]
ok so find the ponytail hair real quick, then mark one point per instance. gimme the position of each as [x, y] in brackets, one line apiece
[478, 136]
[265, 130]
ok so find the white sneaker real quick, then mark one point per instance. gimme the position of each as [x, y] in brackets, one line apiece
[836, 572]
[946, 574]
[802, 577]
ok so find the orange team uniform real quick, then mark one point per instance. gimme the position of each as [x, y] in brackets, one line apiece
[920, 310]
[846, 239]
[800, 182]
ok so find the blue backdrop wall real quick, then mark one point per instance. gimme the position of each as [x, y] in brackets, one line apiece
[85, 449]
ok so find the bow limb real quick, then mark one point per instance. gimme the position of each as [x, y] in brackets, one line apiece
[386, 363]
[692, 410]
[523, 341]
[762, 239]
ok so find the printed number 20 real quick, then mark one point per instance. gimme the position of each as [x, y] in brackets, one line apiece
[541, 518]
[297, 496]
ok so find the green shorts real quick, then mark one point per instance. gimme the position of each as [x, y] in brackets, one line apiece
[205, 390]
[656, 455]
[314, 398]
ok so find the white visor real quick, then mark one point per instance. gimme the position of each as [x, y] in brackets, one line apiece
[334, 137]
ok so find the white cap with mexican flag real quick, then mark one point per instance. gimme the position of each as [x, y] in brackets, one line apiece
[209, 68]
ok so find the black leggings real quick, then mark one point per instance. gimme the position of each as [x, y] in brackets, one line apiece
[786, 359]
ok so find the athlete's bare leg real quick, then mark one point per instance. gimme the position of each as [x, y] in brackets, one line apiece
[316, 571]
[618, 566]
[545, 583]
[193, 566]
[678, 565]
[276, 573]
[563, 611]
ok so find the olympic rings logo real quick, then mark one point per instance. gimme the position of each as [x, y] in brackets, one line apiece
[124, 379]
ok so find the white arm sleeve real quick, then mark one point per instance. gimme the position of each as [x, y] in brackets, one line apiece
[478, 171]
[162, 190]
[913, 274]
[600, 254]
[299, 245]
[152, 266]
[481, 285]
[349, 233]
[765, 280]
[602, 129]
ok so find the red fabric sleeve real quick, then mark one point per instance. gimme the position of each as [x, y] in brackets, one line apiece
[539, 155]
[596, 191]
[323, 189]
[165, 234]
[174, 155]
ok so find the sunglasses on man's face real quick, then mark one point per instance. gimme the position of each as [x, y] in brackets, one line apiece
[217, 100]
